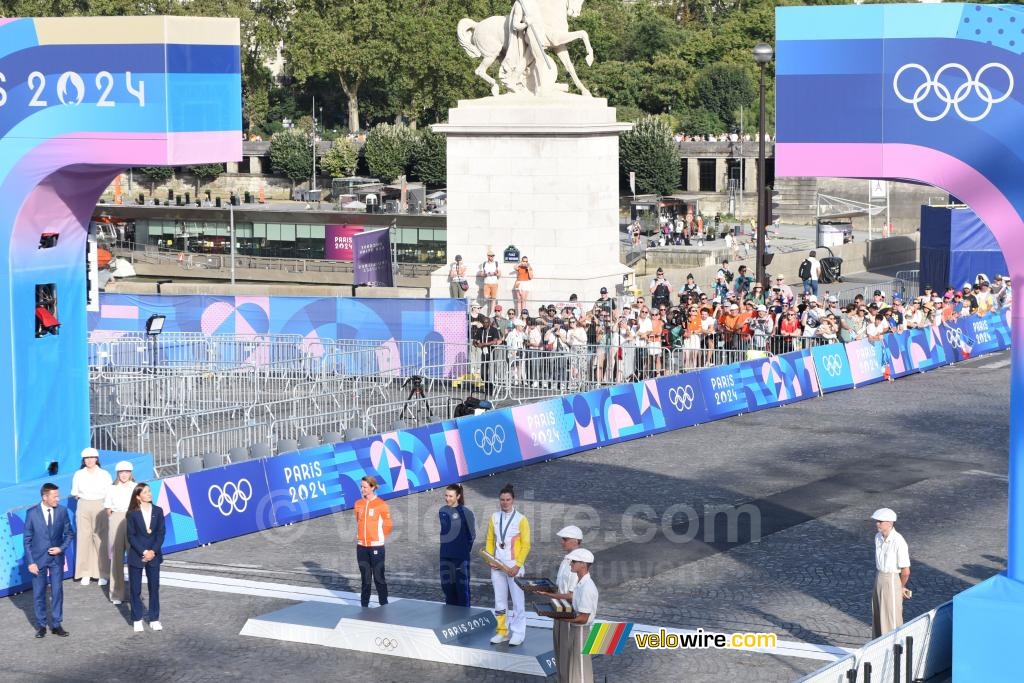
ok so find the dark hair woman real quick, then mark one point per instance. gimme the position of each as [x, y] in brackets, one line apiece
[458, 531]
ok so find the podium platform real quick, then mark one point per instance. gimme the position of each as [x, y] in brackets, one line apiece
[409, 628]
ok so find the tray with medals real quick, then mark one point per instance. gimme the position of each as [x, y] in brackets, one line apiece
[534, 584]
[555, 608]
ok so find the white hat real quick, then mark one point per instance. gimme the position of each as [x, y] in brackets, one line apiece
[884, 515]
[519, 322]
[732, 306]
[571, 532]
[90, 453]
[123, 466]
[581, 555]
[762, 308]
[812, 297]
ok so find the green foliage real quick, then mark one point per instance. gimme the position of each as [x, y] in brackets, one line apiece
[291, 154]
[157, 174]
[649, 150]
[206, 172]
[700, 122]
[722, 89]
[388, 150]
[628, 114]
[341, 159]
[430, 158]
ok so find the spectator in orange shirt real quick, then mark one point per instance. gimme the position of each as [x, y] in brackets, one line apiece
[742, 341]
[373, 524]
[727, 318]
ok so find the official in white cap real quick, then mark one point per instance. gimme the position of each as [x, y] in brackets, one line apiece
[892, 562]
[571, 538]
[119, 495]
[90, 485]
[574, 666]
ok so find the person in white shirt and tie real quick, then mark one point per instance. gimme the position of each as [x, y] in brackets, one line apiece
[577, 667]
[892, 562]
[90, 485]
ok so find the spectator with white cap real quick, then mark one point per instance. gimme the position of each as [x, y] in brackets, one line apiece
[491, 273]
[90, 485]
[892, 563]
[119, 496]
[811, 317]
[785, 290]
[761, 327]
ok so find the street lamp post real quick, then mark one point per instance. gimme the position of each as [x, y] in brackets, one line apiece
[762, 55]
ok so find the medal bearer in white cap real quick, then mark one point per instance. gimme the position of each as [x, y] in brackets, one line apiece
[572, 538]
[574, 666]
[90, 485]
[892, 561]
[119, 495]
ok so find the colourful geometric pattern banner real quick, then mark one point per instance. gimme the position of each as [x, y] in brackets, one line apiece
[238, 499]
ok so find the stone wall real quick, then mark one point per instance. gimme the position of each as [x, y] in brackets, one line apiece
[274, 187]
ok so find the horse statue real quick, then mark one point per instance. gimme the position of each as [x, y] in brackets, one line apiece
[522, 40]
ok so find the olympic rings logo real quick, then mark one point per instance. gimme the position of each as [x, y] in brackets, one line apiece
[231, 497]
[953, 99]
[385, 643]
[490, 439]
[955, 337]
[833, 364]
[681, 398]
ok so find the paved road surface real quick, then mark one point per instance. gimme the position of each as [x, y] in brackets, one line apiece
[931, 446]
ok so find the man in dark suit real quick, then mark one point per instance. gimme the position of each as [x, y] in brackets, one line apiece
[48, 535]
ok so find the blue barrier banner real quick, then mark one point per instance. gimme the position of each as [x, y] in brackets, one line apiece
[832, 367]
[723, 392]
[303, 484]
[951, 339]
[926, 350]
[489, 441]
[779, 380]
[984, 334]
[682, 400]
[898, 354]
[865, 358]
[229, 501]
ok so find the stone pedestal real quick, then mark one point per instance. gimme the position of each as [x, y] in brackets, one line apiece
[540, 174]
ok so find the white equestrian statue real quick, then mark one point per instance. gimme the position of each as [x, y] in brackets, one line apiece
[489, 39]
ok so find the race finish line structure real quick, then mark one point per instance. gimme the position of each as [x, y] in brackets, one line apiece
[81, 99]
[930, 93]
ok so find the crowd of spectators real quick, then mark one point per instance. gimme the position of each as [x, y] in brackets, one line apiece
[676, 329]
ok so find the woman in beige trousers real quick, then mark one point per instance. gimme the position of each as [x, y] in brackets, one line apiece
[90, 485]
[118, 497]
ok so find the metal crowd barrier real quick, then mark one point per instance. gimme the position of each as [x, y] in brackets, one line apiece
[314, 424]
[917, 650]
[218, 443]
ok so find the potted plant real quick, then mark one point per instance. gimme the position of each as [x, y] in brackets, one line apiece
[712, 232]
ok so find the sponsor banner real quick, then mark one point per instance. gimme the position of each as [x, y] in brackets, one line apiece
[229, 501]
[865, 358]
[898, 354]
[779, 380]
[489, 441]
[722, 388]
[303, 484]
[546, 428]
[832, 367]
[926, 351]
[612, 414]
[338, 241]
[372, 258]
[682, 400]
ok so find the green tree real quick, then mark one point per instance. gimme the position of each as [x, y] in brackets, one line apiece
[291, 155]
[430, 158]
[157, 175]
[388, 150]
[341, 159]
[205, 173]
[346, 41]
[723, 89]
[650, 152]
[700, 122]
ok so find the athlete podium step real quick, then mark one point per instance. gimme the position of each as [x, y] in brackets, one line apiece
[409, 628]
